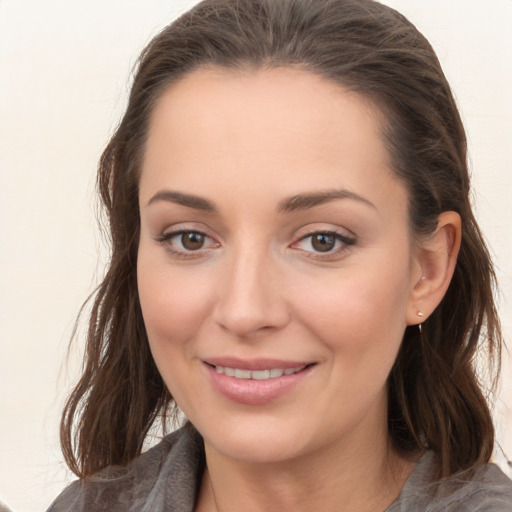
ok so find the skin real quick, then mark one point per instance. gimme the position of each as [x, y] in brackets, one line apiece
[244, 143]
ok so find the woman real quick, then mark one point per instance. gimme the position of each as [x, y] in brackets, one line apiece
[296, 266]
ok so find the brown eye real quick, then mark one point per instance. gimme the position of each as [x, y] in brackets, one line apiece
[192, 241]
[187, 243]
[323, 242]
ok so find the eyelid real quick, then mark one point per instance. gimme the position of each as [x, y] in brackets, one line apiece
[317, 228]
[171, 234]
[346, 237]
[185, 227]
[168, 234]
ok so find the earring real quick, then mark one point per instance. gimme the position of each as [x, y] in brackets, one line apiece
[420, 314]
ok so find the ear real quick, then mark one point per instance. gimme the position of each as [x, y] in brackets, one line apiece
[434, 263]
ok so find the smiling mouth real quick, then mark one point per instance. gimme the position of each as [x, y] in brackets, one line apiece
[270, 373]
[256, 382]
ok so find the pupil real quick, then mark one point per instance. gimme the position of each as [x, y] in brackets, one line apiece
[192, 241]
[323, 242]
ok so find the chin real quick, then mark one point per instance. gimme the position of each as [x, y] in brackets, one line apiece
[257, 448]
[259, 439]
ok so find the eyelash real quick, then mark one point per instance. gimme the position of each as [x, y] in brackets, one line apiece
[165, 239]
[341, 238]
[344, 240]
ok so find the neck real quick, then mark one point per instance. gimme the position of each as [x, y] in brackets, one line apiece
[362, 476]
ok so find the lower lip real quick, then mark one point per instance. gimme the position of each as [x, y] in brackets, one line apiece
[253, 391]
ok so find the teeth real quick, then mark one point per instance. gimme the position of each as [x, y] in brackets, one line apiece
[242, 374]
[261, 375]
[229, 371]
[271, 373]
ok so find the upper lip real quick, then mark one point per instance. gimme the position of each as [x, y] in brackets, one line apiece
[254, 364]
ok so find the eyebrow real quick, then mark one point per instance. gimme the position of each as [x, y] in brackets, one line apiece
[189, 200]
[291, 204]
[309, 200]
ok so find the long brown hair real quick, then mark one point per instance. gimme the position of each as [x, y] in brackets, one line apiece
[435, 401]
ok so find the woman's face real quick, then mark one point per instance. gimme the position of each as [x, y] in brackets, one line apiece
[275, 265]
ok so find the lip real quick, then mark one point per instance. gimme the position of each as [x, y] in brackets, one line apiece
[252, 391]
[254, 364]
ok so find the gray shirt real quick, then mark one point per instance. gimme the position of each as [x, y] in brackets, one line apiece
[166, 478]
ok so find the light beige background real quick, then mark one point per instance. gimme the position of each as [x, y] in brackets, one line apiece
[64, 69]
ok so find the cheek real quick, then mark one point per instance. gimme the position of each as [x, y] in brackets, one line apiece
[358, 313]
[173, 302]
[360, 322]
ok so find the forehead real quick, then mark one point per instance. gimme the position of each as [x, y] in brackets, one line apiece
[213, 101]
[278, 129]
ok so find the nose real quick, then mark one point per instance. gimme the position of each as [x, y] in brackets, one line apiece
[251, 296]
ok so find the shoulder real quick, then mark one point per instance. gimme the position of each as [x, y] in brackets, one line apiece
[489, 490]
[167, 473]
